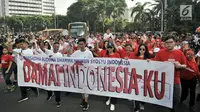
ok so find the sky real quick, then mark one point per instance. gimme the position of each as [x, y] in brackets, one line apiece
[62, 5]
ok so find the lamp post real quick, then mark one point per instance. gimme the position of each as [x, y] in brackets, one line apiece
[163, 8]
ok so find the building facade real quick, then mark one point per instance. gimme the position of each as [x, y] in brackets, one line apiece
[27, 7]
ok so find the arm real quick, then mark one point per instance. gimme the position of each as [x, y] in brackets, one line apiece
[10, 64]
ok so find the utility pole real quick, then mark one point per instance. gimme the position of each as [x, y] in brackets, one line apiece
[55, 23]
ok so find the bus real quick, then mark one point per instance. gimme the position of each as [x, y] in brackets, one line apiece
[78, 29]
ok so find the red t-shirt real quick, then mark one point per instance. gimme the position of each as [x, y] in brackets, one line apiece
[102, 53]
[188, 75]
[5, 60]
[137, 57]
[114, 55]
[175, 55]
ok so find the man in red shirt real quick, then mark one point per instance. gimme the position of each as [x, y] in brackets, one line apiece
[177, 57]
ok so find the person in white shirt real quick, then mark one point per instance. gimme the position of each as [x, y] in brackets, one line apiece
[83, 53]
[108, 35]
[53, 53]
[24, 94]
[15, 52]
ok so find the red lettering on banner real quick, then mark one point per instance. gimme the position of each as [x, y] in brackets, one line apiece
[81, 75]
[126, 74]
[43, 74]
[102, 77]
[159, 94]
[66, 79]
[147, 80]
[111, 79]
[34, 72]
[133, 79]
[91, 70]
[119, 79]
[72, 75]
[27, 77]
[52, 75]
[59, 69]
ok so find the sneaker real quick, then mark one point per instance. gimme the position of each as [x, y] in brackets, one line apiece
[85, 106]
[58, 104]
[37, 92]
[136, 110]
[141, 106]
[12, 89]
[191, 109]
[22, 99]
[108, 102]
[172, 110]
[49, 97]
[82, 103]
[112, 107]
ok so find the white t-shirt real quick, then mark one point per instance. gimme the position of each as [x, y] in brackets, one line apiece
[85, 54]
[27, 52]
[107, 36]
[16, 51]
[58, 54]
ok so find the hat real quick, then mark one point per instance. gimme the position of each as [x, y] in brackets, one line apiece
[185, 42]
[110, 44]
[190, 52]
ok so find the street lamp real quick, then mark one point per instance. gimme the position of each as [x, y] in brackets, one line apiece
[163, 8]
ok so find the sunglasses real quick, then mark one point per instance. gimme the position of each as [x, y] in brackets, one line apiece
[110, 47]
[142, 49]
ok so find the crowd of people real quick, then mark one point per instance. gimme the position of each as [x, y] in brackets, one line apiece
[181, 50]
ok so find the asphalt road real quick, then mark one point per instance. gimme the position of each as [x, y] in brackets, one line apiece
[70, 103]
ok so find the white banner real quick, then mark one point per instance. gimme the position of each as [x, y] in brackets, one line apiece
[140, 80]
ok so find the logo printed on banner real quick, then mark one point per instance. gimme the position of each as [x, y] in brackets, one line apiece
[129, 79]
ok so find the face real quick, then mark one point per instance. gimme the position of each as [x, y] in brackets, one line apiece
[5, 51]
[20, 45]
[95, 45]
[24, 45]
[60, 41]
[110, 49]
[118, 43]
[142, 50]
[105, 45]
[46, 45]
[55, 48]
[81, 45]
[170, 44]
[51, 41]
[189, 56]
[108, 31]
[128, 48]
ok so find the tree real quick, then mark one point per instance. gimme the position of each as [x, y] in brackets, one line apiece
[141, 14]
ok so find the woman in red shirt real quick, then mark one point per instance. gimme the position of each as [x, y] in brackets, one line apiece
[189, 79]
[110, 53]
[141, 54]
[6, 63]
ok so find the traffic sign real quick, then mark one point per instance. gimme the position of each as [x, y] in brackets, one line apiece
[186, 12]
